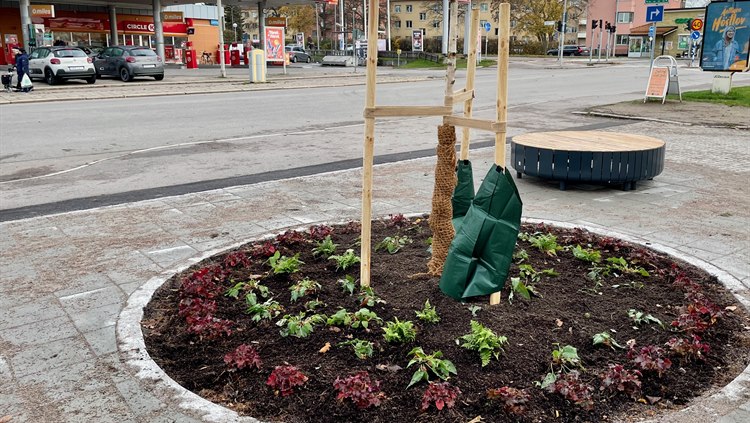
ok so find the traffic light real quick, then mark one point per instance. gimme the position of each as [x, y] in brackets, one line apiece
[594, 24]
[606, 25]
[559, 26]
[613, 28]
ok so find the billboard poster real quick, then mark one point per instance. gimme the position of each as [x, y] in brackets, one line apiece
[726, 37]
[274, 44]
[416, 40]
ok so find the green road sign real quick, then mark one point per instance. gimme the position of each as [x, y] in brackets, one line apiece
[656, 1]
[682, 20]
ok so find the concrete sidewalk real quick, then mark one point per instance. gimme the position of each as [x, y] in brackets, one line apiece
[67, 278]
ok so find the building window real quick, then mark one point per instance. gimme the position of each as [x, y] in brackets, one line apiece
[481, 23]
[422, 16]
[409, 8]
[397, 8]
[397, 24]
[622, 39]
[624, 17]
[436, 24]
[409, 24]
[483, 7]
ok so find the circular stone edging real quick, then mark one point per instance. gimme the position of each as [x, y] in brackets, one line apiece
[132, 347]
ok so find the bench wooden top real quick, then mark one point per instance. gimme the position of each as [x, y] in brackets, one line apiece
[593, 141]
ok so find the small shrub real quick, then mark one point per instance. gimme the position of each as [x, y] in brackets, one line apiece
[428, 314]
[367, 297]
[570, 387]
[340, 318]
[325, 247]
[346, 260]
[284, 379]
[360, 389]
[619, 379]
[236, 259]
[650, 358]
[259, 311]
[243, 356]
[362, 349]
[429, 363]
[283, 264]
[604, 338]
[689, 349]
[399, 332]
[566, 357]
[513, 400]
[393, 244]
[587, 254]
[442, 394]
[545, 243]
[304, 287]
[397, 220]
[299, 326]
[363, 317]
[484, 340]
[319, 232]
[348, 284]
[641, 318]
[291, 238]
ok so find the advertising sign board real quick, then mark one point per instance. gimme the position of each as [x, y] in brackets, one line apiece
[416, 40]
[726, 37]
[275, 44]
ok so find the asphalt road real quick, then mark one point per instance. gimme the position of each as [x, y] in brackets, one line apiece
[110, 151]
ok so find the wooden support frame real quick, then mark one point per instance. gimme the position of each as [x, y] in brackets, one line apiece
[465, 96]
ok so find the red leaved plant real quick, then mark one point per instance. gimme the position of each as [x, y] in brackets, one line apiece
[237, 259]
[264, 250]
[689, 349]
[283, 379]
[359, 388]
[649, 358]
[290, 238]
[619, 379]
[319, 232]
[513, 400]
[442, 394]
[573, 389]
[243, 356]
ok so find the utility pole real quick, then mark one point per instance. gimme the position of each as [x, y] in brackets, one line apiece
[388, 23]
[561, 42]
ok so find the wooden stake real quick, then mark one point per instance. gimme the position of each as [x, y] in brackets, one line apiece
[502, 95]
[450, 73]
[368, 147]
[471, 69]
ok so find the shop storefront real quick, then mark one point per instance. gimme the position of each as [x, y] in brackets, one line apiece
[92, 30]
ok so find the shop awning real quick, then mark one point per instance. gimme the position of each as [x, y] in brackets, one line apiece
[660, 30]
[146, 4]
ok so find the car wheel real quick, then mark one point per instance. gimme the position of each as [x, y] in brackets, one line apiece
[125, 75]
[309, 59]
[294, 59]
[91, 80]
[49, 77]
[158, 77]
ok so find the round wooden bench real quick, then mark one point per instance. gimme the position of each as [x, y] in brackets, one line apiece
[588, 156]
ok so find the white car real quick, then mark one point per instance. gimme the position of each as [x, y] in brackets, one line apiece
[54, 64]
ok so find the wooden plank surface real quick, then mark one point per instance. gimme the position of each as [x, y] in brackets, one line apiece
[404, 111]
[594, 141]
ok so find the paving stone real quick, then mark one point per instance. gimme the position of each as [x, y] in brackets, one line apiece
[42, 358]
[140, 401]
[5, 373]
[102, 341]
[103, 406]
[167, 255]
[96, 318]
[61, 383]
[87, 300]
[737, 416]
[737, 263]
[87, 283]
[40, 332]
[44, 309]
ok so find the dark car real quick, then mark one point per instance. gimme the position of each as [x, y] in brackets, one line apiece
[127, 62]
[298, 54]
[568, 51]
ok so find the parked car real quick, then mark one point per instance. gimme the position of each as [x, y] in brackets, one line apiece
[127, 62]
[54, 64]
[91, 51]
[298, 54]
[569, 51]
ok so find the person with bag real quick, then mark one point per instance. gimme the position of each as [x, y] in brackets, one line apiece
[22, 69]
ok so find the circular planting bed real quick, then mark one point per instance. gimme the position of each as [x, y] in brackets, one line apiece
[589, 329]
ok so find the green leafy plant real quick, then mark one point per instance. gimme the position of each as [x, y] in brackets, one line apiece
[304, 287]
[484, 340]
[325, 248]
[429, 363]
[362, 349]
[299, 326]
[340, 318]
[283, 264]
[393, 244]
[348, 284]
[566, 356]
[621, 265]
[346, 260]
[252, 285]
[363, 317]
[545, 243]
[474, 309]
[313, 304]
[528, 272]
[604, 338]
[641, 318]
[368, 297]
[399, 332]
[518, 287]
[259, 311]
[520, 256]
[428, 313]
[587, 254]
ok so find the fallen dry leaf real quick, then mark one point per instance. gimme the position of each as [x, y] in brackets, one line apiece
[6, 419]
[558, 322]
[393, 368]
[730, 308]
[653, 400]
[476, 419]
[325, 348]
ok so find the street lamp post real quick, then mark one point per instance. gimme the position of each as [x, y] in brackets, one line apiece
[354, 50]
[234, 25]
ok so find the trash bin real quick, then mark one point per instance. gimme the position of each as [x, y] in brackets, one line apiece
[235, 57]
[257, 66]
[191, 59]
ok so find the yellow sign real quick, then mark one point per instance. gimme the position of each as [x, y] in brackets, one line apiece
[42, 10]
[276, 21]
[172, 16]
[658, 82]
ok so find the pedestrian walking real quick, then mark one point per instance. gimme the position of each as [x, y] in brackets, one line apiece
[22, 67]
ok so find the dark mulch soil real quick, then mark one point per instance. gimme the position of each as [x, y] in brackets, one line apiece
[570, 311]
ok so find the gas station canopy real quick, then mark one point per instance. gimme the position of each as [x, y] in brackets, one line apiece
[146, 4]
